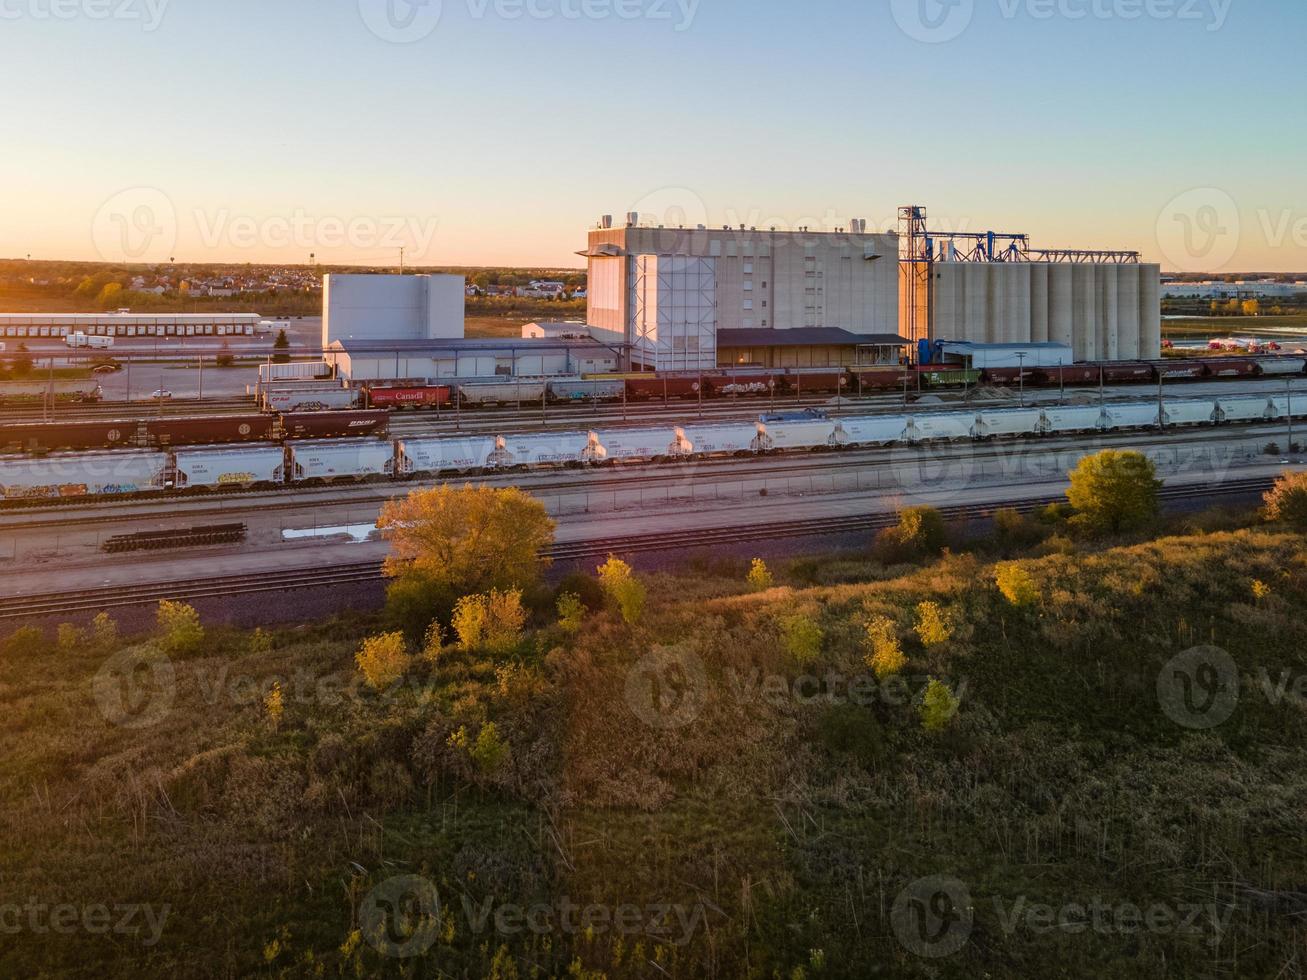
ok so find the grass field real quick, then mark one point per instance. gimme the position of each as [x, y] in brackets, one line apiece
[699, 795]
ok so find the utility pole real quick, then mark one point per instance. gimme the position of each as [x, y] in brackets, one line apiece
[1021, 376]
[1288, 385]
[401, 260]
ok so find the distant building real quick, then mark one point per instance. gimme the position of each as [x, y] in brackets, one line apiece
[377, 309]
[675, 295]
[1233, 290]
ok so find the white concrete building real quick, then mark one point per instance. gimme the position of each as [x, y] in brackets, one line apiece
[1233, 290]
[29, 325]
[427, 361]
[675, 294]
[383, 308]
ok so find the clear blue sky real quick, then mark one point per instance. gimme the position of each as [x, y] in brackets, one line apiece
[500, 139]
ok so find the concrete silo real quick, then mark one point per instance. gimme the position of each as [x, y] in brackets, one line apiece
[1039, 302]
[1018, 283]
[1061, 305]
[977, 287]
[1128, 308]
[1084, 311]
[1108, 321]
[1150, 313]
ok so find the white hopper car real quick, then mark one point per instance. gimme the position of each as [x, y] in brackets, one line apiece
[224, 467]
[82, 474]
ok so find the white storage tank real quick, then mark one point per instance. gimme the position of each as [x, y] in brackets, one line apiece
[1150, 313]
[1039, 302]
[1018, 329]
[1127, 306]
[1061, 305]
[977, 280]
[1085, 311]
[1108, 321]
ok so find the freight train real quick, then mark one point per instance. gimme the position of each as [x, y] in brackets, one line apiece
[795, 382]
[162, 433]
[299, 462]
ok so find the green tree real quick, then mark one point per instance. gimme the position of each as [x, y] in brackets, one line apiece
[180, 631]
[448, 542]
[1114, 490]
[623, 589]
[571, 612]
[760, 579]
[802, 638]
[939, 707]
[382, 660]
[281, 346]
[932, 625]
[1286, 502]
[886, 657]
[1017, 585]
[920, 533]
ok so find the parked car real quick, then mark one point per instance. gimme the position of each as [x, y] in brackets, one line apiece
[160, 395]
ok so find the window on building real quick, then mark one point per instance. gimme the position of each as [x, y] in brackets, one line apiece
[748, 304]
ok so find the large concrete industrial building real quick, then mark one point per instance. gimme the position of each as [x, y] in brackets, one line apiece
[676, 294]
[994, 288]
[384, 308]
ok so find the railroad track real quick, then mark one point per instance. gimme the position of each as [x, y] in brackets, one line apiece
[51, 605]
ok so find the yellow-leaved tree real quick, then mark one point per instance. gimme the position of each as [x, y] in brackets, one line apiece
[447, 542]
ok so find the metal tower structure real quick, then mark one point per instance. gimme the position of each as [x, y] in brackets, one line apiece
[920, 249]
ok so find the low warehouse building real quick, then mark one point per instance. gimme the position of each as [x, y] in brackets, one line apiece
[811, 347]
[425, 360]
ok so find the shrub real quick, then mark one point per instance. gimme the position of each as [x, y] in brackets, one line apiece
[70, 638]
[433, 643]
[1114, 490]
[260, 641]
[274, 706]
[104, 632]
[624, 589]
[886, 657]
[571, 612]
[920, 533]
[382, 660]
[1017, 585]
[26, 641]
[760, 579]
[939, 707]
[853, 729]
[802, 639]
[490, 751]
[1286, 502]
[586, 588]
[180, 631]
[493, 621]
[932, 625]
[1261, 591]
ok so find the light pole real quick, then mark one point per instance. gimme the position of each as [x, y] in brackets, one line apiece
[1021, 376]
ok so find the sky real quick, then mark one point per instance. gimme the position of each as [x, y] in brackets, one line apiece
[496, 132]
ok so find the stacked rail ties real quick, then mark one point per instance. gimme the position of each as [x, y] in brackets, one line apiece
[378, 457]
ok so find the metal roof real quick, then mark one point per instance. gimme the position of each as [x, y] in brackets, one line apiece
[423, 347]
[807, 337]
[968, 346]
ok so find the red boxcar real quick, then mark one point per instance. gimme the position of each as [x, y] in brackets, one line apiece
[52, 436]
[879, 379]
[655, 386]
[1233, 367]
[1008, 375]
[402, 398]
[1073, 374]
[1181, 370]
[1125, 372]
[334, 425]
[208, 430]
